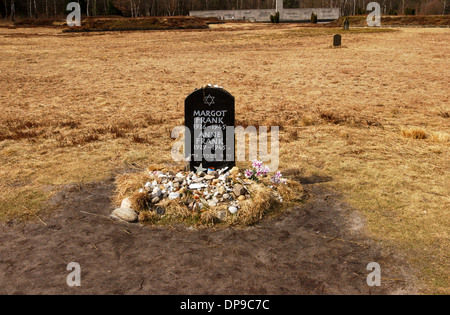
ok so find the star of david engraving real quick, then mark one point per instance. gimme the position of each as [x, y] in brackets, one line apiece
[200, 168]
[209, 100]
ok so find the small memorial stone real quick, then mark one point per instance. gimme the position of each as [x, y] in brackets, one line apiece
[346, 24]
[337, 40]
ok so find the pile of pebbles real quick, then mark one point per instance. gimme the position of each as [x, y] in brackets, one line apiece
[210, 189]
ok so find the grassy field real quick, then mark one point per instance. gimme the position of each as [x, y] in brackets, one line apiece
[372, 116]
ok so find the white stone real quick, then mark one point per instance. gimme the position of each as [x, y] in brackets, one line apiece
[233, 210]
[126, 214]
[197, 186]
[126, 203]
[212, 204]
[223, 178]
[174, 195]
[223, 170]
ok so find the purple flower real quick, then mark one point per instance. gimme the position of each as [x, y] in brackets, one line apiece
[257, 164]
[277, 178]
[248, 173]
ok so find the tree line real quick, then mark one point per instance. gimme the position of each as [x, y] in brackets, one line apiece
[14, 9]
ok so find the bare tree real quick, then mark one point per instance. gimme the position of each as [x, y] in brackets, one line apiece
[137, 7]
[6, 9]
[35, 9]
[94, 8]
[132, 7]
[13, 10]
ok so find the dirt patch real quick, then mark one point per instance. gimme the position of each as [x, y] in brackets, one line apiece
[316, 248]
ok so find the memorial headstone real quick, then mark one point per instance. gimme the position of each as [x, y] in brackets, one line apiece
[210, 118]
[346, 24]
[337, 40]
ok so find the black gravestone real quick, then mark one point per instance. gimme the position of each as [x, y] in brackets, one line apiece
[210, 117]
[346, 24]
[337, 40]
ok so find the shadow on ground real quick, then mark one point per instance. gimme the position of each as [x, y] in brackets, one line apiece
[316, 248]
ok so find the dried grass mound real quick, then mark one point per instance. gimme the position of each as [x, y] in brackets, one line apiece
[440, 137]
[140, 202]
[253, 210]
[415, 133]
[149, 217]
[128, 184]
[262, 198]
[291, 192]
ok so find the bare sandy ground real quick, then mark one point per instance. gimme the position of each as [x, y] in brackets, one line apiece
[317, 248]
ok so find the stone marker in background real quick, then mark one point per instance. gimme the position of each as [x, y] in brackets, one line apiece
[337, 41]
[210, 117]
[346, 24]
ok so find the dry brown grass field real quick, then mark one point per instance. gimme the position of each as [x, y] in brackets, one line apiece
[372, 116]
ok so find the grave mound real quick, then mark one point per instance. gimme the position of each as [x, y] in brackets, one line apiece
[225, 197]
